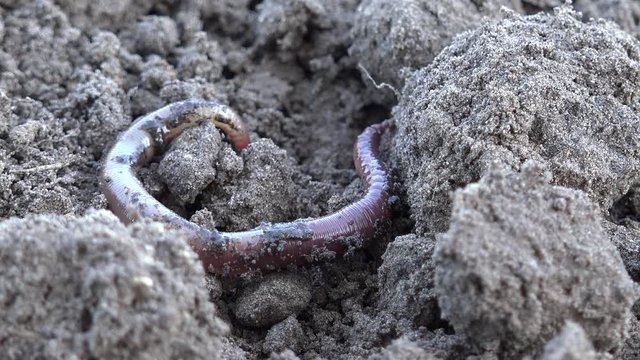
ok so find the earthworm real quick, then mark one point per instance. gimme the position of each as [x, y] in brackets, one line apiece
[266, 247]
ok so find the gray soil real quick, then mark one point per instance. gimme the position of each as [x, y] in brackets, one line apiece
[515, 164]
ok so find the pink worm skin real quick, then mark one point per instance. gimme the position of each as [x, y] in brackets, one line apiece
[267, 247]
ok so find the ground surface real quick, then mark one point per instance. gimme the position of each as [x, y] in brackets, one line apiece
[515, 160]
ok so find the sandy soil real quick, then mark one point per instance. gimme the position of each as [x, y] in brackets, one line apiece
[515, 163]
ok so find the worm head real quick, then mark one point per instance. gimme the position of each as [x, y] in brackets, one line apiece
[231, 124]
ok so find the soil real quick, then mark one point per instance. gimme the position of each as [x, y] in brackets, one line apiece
[514, 164]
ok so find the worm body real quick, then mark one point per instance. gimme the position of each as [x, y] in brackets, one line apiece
[266, 247]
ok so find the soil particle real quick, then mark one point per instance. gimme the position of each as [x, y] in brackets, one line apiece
[285, 355]
[268, 188]
[542, 4]
[111, 15]
[95, 109]
[152, 35]
[625, 13]
[287, 334]
[631, 346]
[286, 23]
[91, 288]
[626, 237]
[202, 58]
[521, 256]
[545, 87]
[572, 343]
[391, 35]
[192, 157]
[271, 300]
[403, 348]
[406, 282]
[28, 40]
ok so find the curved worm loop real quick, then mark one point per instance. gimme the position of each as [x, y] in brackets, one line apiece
[267, 247]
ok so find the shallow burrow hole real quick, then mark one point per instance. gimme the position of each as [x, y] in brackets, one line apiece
[627, 207]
